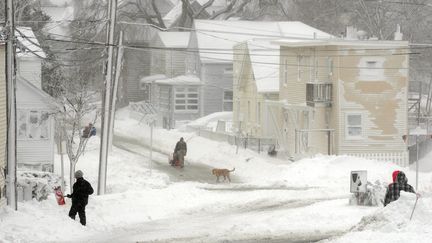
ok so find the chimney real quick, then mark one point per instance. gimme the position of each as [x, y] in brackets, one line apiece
[351, 33]
[398, 34]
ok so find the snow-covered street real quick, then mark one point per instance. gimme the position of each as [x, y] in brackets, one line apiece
[268, 200]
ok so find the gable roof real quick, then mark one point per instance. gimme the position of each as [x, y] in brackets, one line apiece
[216, 38]
[29, 43]
[264, 58]
[174, 39]
[48, 100]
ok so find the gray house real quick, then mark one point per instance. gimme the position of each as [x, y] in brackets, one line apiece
[211, 53]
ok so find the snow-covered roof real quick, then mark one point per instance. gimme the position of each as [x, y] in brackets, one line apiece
[264, 58]
[174, 39]
[181, 80]
[152, 78]
[216, 37]
[338, 42]
[27, 39]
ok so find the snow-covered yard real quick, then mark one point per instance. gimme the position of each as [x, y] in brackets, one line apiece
[269, 200]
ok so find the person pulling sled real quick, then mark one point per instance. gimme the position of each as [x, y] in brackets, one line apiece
[180, 151]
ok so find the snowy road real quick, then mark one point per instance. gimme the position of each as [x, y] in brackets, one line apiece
[194, 226]
[191, 172]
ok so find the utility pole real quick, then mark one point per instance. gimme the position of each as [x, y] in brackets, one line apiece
[11, 102]
[103, 157]
[115, 89]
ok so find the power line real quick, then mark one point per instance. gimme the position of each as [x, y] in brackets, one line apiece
[230, 60]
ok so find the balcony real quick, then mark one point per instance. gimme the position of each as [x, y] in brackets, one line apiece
[318, 93]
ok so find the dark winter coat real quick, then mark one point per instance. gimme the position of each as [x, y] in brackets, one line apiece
[393, 190]
[181, 145]
[81, 190]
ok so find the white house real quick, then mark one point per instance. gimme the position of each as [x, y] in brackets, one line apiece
[35, 108]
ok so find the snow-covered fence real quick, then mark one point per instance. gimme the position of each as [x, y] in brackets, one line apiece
[400, 158]
[253, 143]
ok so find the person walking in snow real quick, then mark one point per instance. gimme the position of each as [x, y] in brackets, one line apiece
[393, 190]
[81, 191]
[87, 131]
[180, 151]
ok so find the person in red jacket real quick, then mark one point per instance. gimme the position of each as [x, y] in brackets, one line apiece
[394, 175]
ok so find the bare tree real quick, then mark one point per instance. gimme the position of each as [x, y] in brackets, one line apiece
[77, 104]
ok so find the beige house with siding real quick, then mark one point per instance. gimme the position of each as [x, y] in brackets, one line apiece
[255, 81]
[344, 97]
[3, 127]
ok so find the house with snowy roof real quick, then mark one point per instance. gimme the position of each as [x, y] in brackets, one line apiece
[255, 82]
[211, 53]
[343, 96]
[35, 108]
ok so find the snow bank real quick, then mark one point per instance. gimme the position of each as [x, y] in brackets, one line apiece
[387, 222]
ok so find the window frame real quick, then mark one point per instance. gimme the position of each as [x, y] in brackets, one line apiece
[227, 101]
[186, 100]
[348, 126]
[26, 113]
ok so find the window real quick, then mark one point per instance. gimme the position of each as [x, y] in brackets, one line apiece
[354, 128]
[228, 100]
[228, 71]
[258, 118]
[299, 67]
[32, 125]
[285, 77]
[371, 69]
[186, 99]
[330, 66]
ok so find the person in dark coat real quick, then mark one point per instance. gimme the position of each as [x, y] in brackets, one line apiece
[393, 190]
[180, 151]
[81, 191]
[87, 131]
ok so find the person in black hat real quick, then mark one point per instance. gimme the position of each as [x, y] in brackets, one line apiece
[81, 190]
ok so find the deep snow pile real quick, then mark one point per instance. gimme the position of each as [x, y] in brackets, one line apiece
[393, 224]
[307, 197]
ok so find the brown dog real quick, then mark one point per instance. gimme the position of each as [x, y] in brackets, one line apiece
[222, 172]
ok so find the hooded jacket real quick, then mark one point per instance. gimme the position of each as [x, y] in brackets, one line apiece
[394, 175]
[393, 190]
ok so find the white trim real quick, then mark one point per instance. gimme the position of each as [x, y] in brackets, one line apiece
[347, 136]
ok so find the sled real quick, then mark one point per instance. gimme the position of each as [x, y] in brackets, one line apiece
[59, 196]
[173, 161]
